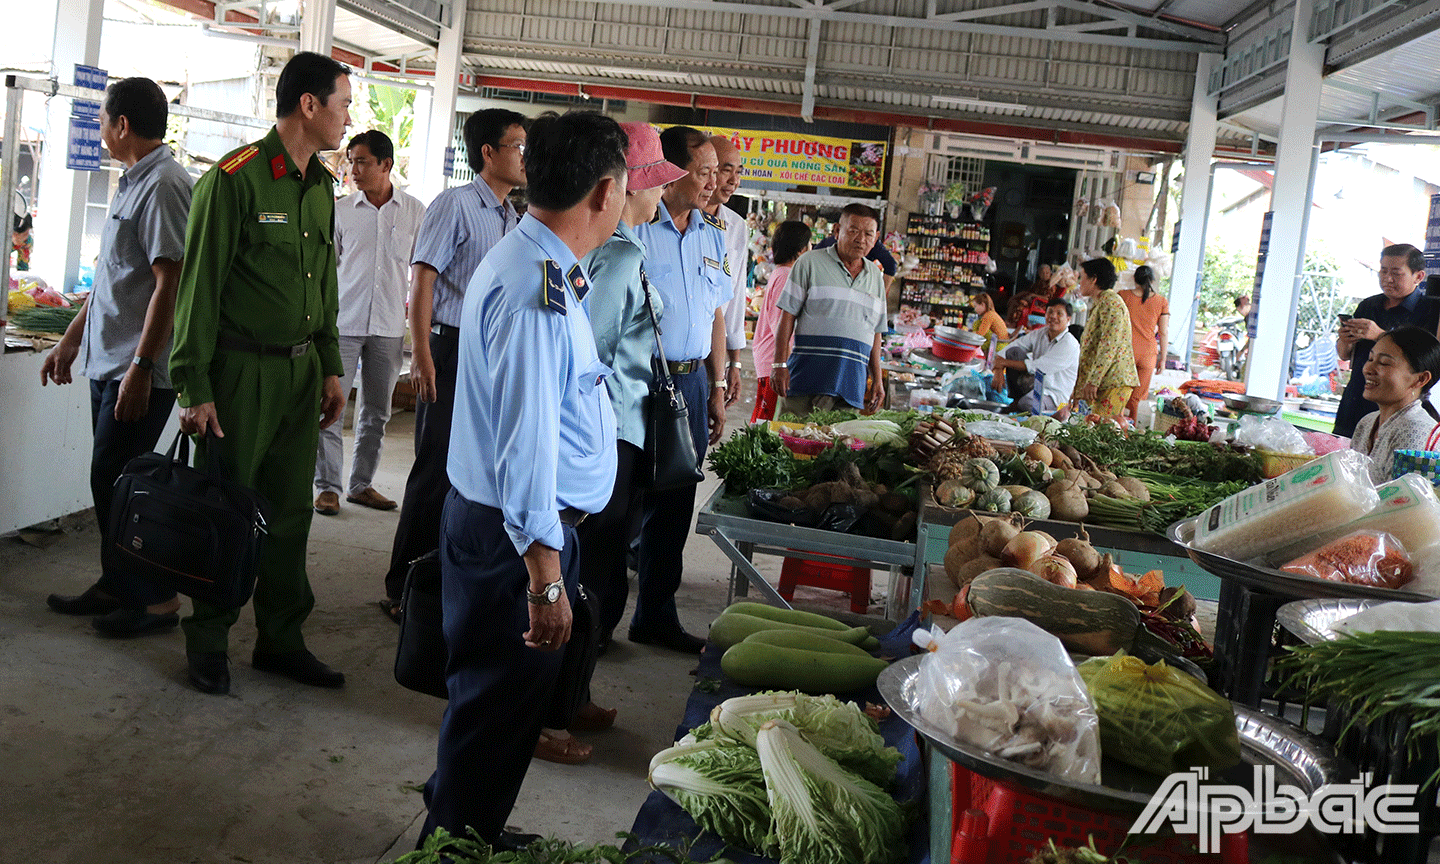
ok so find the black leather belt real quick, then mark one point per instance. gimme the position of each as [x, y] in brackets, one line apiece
[683, 367]
[572, 516]
[231, 342]
[444, 330]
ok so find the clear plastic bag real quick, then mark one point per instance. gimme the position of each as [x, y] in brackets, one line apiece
[1159, 718]
[1372, 558]
[1009, 688]
[1271, 433]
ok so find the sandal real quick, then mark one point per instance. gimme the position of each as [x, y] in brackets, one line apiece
[565, 751]
[392, 609]
[593, 718]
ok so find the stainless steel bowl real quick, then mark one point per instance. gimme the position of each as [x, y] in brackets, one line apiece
[1251, 404]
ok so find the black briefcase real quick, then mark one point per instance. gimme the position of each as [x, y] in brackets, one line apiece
[187, 529]
[420, 655]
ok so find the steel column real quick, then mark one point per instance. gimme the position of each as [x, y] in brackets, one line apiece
[1194, 202]
[441, 126]
[317, 26]
[1268, 369]
[60, 228]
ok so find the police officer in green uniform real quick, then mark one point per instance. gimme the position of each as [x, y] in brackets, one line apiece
[256, 362]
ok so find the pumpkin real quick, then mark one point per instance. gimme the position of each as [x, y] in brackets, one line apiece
[994, 501]
[1033, 504]
[980, 474]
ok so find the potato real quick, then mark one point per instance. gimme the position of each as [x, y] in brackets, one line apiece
[968, 570]
[1040, 453]
[1136, 488]
[1114, 489]
[1069, 505]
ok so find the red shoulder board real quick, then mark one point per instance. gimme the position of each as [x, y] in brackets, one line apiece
[231, 165]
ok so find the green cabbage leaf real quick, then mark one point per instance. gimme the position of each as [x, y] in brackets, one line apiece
[720, 784]
[839, 729]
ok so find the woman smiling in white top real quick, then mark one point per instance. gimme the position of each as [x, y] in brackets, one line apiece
[1402, 367]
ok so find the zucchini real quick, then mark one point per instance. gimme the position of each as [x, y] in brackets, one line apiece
[758, 664]
[807, 642]
[789, 616]
[1090, 622]
[732, 627]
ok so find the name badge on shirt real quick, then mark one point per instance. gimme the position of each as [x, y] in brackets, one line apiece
[711, 262]
[274, 218]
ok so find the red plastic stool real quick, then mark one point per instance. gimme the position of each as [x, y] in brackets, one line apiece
[853, 580]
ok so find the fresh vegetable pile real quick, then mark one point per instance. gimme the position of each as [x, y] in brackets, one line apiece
[789, 776]
[788, 649]
[1067, 588]
[1375, 677]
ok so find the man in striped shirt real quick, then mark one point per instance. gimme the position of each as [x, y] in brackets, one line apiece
[461, 225]
[834, 305]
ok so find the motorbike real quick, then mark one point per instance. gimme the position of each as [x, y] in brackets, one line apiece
[1222, 346]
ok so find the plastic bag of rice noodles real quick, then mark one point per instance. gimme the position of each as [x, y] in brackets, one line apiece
[1404, 617]
[1408, 510]
[1316, 497]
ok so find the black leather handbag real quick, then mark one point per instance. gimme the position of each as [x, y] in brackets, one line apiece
[185, 528]
[421, 655]
[670, 460]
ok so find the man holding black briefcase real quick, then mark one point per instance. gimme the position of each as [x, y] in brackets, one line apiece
[256, 361]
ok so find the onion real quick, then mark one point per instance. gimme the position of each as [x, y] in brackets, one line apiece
[1025, 549]
[1056, 570]
[996, 534]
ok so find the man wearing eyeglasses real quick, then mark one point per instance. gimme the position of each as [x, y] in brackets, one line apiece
[461, 225]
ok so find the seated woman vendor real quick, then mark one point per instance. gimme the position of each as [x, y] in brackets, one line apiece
[987, 320]
[1402, 367]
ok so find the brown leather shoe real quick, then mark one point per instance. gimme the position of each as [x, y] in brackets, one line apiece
[368, 497]
[563, 751]
[327, 503]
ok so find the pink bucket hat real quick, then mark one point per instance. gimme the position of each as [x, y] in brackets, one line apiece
[645, 159]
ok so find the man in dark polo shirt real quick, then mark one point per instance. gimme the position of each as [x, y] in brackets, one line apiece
[1399, 303]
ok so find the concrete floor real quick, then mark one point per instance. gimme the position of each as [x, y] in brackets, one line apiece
[108, 755]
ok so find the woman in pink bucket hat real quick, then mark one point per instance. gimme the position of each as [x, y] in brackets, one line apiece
[625, 339]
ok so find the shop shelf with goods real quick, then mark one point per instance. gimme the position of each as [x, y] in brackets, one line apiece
[952, 254]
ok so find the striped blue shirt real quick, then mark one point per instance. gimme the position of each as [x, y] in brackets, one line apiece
[836, 319]
[461, 225]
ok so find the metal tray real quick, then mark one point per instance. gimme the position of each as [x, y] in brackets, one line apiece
[1310, 620]
[1279, 582]
[1299, 758]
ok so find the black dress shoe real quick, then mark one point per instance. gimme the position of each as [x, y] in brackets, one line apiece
[209, 671]
[299, 666]
[123, 623]
[677, 640]
[92, 602]
[514, 841]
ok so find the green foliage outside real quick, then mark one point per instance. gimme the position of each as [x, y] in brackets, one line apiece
[392, 111]
[1227, 273]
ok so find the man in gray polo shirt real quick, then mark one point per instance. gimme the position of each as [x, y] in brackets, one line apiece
[834, 305]
[122, 335]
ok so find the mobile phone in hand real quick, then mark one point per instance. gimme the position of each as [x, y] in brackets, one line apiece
[1345, 319]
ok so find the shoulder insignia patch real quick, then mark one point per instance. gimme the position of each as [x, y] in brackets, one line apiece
[578, 281]
[277, 167]
[727, 266]
[713, 221]
[231, 165]
[552, 296]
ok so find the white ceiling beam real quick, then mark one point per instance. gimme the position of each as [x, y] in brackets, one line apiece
[812, 60]
[1211, 42]
[992, 12]
[1105, 11]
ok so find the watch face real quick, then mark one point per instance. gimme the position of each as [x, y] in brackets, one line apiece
[552, 592]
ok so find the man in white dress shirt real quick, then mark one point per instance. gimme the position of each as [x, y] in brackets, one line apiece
[737, 238]
[375, 229]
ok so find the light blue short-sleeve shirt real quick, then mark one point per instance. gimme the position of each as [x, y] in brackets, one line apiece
[533, 431]
[461, 225]
[691, 274]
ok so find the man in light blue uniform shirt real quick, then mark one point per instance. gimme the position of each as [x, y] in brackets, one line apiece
[687, 266]
[533, 454]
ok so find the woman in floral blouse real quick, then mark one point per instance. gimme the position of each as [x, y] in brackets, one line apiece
[1401, 370]
[1107, 356]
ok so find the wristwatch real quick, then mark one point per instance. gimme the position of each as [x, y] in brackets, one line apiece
[143, 362]
[549, 596]
[720, 384]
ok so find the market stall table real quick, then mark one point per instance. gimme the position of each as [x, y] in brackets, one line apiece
[740, 536]
[1250, 597]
